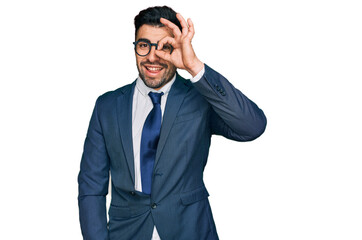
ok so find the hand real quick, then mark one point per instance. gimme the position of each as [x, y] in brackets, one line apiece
[183, 55]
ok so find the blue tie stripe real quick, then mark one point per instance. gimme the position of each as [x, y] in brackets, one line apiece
[149, 142]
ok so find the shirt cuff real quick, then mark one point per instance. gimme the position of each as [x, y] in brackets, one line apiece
[198, 76]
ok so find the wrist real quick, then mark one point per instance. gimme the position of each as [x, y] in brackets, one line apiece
[196, 67]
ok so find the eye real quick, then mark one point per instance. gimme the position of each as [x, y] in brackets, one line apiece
[167, 48]
[142, 45]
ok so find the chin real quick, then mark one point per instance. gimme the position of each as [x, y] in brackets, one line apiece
[156, 82]
[152, 83]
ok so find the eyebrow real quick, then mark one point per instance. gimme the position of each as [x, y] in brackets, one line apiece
[144, 40]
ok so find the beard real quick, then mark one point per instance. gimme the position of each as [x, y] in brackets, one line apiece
[156, 82]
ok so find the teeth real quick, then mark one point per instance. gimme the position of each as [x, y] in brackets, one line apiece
[153, 68]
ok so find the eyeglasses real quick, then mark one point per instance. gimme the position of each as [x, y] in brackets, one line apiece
[143, 47]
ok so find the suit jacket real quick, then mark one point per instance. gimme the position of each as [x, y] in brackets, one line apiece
[178, 205]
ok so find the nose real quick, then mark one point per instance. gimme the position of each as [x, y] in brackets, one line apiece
[152, 57]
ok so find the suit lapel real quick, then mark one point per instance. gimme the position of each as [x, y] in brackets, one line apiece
[175, 98]
[124, 114]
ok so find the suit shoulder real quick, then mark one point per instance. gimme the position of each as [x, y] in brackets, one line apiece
[112, 95]
[185, 81]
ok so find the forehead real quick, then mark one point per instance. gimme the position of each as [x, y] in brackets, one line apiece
[153, 33]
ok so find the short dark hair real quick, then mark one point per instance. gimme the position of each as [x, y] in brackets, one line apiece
[151, 16]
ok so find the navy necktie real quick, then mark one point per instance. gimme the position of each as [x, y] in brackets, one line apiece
[149, 142]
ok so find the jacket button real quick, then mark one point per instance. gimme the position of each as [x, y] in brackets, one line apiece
[154, 206]
[132, 193]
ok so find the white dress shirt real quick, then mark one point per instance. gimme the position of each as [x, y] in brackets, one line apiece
[141, 107]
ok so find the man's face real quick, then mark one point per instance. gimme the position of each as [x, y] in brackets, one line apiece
[154, 71]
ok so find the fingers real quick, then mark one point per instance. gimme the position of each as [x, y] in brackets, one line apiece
[166, 40]
[185, 28]
[188, 29]
[191, 32]
[176, 31]
[163, 55]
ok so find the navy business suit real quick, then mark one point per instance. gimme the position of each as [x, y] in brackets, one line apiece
[178, 205]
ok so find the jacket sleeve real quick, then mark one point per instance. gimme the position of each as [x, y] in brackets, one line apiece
[93, 181]
[233, 115]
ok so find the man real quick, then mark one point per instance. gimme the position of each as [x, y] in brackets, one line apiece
[153, 138]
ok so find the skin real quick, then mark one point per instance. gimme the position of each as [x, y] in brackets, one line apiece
[158, 67]
[153, 70]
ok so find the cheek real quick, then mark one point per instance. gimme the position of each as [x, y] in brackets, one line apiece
[138, 58]
[169, 65]
[138, 61]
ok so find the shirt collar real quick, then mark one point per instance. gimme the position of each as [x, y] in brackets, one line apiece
[144, 90]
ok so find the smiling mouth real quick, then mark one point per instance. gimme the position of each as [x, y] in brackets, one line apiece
[153, 69]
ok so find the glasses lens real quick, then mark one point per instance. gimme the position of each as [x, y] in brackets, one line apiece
[142, 48]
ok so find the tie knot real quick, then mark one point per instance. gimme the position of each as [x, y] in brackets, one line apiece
[155, 97]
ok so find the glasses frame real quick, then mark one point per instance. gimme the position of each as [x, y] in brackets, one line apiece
[150, 46]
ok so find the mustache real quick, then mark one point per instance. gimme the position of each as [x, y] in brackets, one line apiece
[154, 63]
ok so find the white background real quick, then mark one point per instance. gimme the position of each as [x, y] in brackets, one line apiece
[300, 61]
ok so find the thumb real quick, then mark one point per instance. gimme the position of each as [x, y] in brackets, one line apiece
[163, 55]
